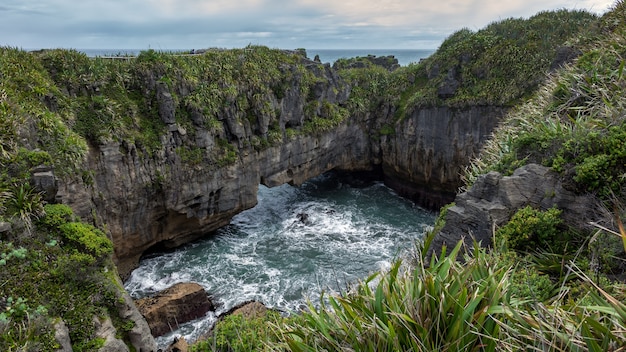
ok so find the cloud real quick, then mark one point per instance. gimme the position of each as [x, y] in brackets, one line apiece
[235, 23]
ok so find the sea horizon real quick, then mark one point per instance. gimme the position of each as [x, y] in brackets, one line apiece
[404, 56]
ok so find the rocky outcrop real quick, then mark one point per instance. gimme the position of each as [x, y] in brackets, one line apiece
[62, 336]
[204, 175]
[248, 310]
[173, 306]
[107, 332]
[139, 336]
[178, 345]
[424, 158]
[494, 198]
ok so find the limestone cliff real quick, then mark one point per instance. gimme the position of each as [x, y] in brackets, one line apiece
[202, 176]
[425, 156]
[494, 198]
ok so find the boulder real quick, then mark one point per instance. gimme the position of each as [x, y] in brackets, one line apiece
[175, 305]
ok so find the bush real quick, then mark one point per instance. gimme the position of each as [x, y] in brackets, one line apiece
[530, 229]
[87, 238]
[56, 215]
[447, 306]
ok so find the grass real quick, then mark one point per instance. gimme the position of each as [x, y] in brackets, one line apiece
[574, 124]
[59, 270]
[491, 301]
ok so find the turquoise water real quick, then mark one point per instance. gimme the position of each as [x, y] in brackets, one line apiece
[296, 242]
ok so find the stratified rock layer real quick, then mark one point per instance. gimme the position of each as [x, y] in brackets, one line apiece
[163, 200]
[175, 305]
[494, 198]
[424, 158]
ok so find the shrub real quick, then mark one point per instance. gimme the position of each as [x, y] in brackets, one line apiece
[238, 333]
[87, 238]
[530, 228]
[56, 215]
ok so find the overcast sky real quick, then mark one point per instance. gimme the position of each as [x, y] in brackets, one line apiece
[287, 24]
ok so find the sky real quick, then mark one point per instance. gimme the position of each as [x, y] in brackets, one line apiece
[285, 24]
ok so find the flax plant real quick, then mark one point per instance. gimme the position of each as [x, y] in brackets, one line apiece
[446, 306]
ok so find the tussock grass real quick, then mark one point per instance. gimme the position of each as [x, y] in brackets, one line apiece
[446, 306]
[454, 306]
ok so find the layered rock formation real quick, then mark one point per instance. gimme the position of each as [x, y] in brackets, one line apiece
[165, 200]
[424, 157]
[178, 304]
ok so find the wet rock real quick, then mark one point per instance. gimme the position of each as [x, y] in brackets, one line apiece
[178, 345]
[173, 306]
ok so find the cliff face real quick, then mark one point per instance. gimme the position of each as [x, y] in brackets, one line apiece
[165, 202]
[214, 152]
[424, 158]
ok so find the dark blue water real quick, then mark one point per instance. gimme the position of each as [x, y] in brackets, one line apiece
[404, 56]
[296, 242]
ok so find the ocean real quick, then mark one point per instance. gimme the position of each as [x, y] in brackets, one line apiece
[404, 56]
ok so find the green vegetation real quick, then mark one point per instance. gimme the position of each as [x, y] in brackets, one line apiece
[540, 288]
[574, 124]
[60, 270]
[490, 301]
[543, 286]
[502, 65]
[531, 228]
[238, 333]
